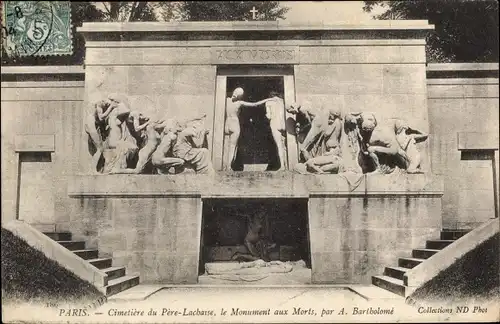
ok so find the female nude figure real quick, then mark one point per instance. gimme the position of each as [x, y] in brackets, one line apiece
[95, 125]
[233, 107]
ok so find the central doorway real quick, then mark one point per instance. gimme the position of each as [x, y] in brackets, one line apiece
[257, 149]
[237, 233]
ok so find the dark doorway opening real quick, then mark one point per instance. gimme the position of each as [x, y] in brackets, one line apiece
[256, 145]
[225, 226]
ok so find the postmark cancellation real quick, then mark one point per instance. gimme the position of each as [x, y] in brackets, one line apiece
[37, 28]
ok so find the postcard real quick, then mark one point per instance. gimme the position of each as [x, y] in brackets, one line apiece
[250, 162]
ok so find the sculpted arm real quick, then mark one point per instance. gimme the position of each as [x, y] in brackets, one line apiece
[137, 126]
[418, 135]
[311, 137]
[102, 115]
[254, 104]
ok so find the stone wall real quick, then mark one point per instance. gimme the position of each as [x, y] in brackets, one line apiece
[354, 238]
[159, 238]
[463, 115]
[152, 224]
[41, 112]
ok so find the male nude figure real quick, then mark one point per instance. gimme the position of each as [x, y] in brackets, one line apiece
[375, 138]
[256, 245]
[233, 107]
[275, 112]
[95, 125]
[304, 115]
[408, 139]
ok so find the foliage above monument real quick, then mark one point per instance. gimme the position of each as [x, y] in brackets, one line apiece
[465, 31]
[123, 11]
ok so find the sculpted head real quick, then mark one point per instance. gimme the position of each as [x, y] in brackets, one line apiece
[369, 122]
[334, 113]
[104, 104]
[171, 126]
[293, 108]
[114, 98]
[237, 94]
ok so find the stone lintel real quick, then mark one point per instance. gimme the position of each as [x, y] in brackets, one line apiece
[254, 185]
[35, 143]
[462, 70]
[42, 73]
[477, 141]
[254, 30]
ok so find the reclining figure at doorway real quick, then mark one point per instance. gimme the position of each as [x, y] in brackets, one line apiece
[382, 148]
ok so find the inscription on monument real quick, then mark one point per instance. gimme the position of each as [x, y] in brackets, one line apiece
[252, 54]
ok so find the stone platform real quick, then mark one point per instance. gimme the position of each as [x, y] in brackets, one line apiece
[254, 184]
[152, 224]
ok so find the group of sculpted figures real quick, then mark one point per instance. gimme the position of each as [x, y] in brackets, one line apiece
[373, 146]
[123, 140]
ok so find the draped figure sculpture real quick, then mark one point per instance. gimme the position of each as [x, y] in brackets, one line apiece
[120, 144]
[189, 147]
[321, 148]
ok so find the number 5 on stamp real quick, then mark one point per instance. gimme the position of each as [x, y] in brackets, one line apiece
[37, 28]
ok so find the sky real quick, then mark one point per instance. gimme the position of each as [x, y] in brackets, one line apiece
[326, 11]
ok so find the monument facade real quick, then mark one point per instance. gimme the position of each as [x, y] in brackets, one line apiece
[198, 145]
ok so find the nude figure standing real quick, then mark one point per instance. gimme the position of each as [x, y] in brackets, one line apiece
[233, 108]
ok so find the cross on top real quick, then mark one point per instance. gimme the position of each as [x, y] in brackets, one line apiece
[254, 12]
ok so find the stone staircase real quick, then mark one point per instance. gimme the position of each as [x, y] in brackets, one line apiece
[392, 279]
[118, 280]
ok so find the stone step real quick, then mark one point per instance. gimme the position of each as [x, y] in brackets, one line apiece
[114, 272]
[453, 234]
[438, 244]
[59, 236]
[391, 284]
[120, 284]
[423, 253]
[101, 263]
[395, 272]
[73, 245]
[87, 254]
[409, 262]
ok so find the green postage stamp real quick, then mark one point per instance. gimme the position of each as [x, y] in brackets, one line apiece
[37, 28]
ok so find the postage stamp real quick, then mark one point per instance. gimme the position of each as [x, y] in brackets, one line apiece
[37, 28]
